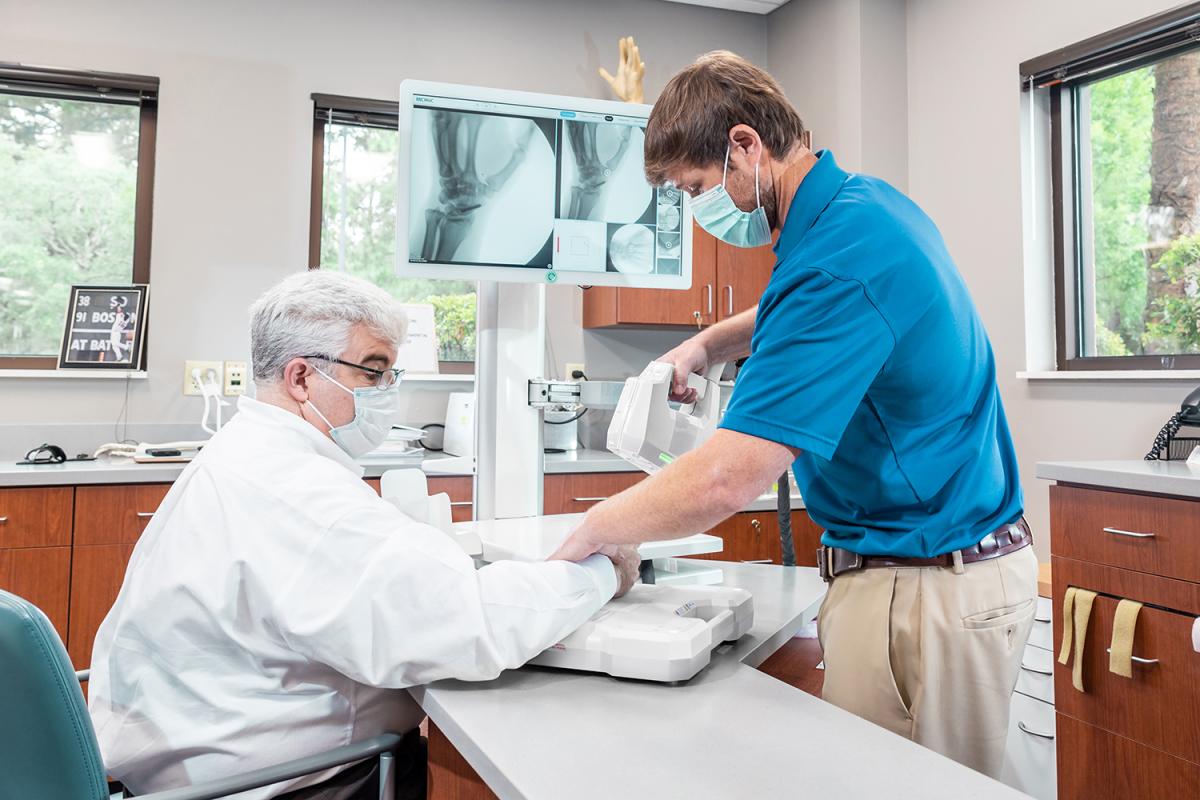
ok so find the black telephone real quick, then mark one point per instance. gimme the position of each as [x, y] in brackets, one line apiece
[1189, 414]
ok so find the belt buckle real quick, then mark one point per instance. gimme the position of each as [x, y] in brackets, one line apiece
[823, 563]
[827, 563]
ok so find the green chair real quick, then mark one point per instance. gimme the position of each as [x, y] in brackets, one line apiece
[48, 747]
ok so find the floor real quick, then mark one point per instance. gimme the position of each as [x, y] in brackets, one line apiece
[796, 664]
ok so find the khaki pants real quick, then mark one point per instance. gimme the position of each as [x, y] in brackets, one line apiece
[932, 654]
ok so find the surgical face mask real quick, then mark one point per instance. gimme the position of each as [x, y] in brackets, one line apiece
[375, 411]
[719, 215]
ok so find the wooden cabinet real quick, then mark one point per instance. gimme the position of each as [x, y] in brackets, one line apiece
[35, 549]
[461, 490]
[577, 492]
[108, 522]
[754, 536]
[1138, 736]
[726, 280]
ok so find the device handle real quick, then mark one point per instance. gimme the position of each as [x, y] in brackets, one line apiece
[700, 383]
[721, 626]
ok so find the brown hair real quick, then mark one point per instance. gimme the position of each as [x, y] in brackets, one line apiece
[690, 122]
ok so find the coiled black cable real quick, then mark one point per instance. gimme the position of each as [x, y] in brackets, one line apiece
[783, 504]
[1162, 442]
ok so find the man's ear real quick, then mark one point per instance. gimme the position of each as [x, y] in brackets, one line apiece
[745, 145]
[296, 376]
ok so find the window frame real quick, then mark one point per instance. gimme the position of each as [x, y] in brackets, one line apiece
[100, 87]
[332, 108]
[1062, 73]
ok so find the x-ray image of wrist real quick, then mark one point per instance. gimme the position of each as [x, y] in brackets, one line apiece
[602, 178]
[484, 176]
[631, 249]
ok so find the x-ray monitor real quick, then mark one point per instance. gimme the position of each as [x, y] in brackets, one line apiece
[515, 186]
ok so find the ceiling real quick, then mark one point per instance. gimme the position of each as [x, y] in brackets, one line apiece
[750, 6]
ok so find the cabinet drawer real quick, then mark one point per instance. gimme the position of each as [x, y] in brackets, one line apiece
[35, 517]
[42, 576]
[1157, 535]
[461, 490]
[1160, 705]
[115, 514]
[1029, 753]
[1036, 678]
[575, 492]
[1098, 765]
[1042, 633]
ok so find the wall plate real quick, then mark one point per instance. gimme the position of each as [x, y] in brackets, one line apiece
[190, 387]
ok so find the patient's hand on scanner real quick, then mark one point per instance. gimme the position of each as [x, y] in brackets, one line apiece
[627, 562]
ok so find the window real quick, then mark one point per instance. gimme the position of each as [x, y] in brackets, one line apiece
[76, 175]
[1124, 111]
[353, 225]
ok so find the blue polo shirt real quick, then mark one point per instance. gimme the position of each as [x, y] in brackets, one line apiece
[868, 356]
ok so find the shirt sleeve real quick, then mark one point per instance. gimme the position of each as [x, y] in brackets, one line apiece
[393, 603]
[818, 345]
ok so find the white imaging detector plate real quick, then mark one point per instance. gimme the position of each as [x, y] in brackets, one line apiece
[535, 538]
[655, 633]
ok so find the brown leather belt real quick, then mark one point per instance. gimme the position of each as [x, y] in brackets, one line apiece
[834, 561]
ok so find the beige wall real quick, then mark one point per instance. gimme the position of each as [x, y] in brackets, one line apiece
[234, 146]
[964, 169]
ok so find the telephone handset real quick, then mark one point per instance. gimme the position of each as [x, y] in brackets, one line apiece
[1189, 414]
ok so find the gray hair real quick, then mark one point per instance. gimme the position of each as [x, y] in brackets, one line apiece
[313, 313]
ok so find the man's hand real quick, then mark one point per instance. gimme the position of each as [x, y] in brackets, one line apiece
[627, 563]
[691, 356]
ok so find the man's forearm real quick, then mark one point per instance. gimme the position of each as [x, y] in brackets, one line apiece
[729, 339]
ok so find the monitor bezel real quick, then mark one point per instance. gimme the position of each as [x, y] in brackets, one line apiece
[404, 268]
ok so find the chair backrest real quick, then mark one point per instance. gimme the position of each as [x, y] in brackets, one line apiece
[47, 744]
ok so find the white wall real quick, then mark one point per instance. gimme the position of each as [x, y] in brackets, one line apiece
[231, 193]
[964, 169]
[843, 64]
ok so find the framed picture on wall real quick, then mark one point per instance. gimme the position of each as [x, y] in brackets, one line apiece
[105, 327]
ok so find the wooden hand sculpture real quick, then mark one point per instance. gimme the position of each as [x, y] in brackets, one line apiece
[628, 83]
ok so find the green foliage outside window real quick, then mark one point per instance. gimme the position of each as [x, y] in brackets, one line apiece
[68, 178]
[358, 233]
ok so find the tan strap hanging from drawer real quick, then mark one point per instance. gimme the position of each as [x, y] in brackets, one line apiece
[1077, 611]
[1120, 652]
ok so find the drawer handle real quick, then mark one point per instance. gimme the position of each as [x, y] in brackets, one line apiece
[1036, 618]
[1021, 725]
[3, 520]
[145, 514]
[1028, 668]
[588, 499]
[462, 503]
[1136, 660]
[758, 561]
[1130, 534]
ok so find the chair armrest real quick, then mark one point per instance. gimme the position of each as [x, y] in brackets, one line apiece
[355, 751]
[83, 675]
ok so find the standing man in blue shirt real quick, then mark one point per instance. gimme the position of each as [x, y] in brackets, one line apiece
[870, 374]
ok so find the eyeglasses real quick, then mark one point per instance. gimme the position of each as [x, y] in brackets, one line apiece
[384, 378]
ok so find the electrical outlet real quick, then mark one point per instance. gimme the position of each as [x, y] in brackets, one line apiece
[570, 369]
[207, 370]
[235, 378]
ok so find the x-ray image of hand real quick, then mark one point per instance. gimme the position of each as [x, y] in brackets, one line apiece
[592, 172]
[463, 186]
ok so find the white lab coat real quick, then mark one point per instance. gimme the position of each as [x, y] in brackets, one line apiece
[275, 607]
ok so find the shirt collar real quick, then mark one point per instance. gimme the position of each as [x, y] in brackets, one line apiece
[819, 186]
[265, 413]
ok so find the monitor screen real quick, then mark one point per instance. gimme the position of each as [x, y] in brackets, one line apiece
[513, 186]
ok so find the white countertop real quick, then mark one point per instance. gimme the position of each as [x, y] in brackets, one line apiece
[732, 731]
[1153, 477]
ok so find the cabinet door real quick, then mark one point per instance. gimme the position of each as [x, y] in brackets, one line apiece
[754, 536]
[607, 307]
[96, 577]
[577, 492]
[115, 514]
[742, 276]
[35, 517]
[1094, 764]
[41, 575]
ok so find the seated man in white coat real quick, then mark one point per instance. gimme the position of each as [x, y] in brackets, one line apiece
[276, 607]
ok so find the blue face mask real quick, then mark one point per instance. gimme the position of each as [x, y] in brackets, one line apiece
[719, 215]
